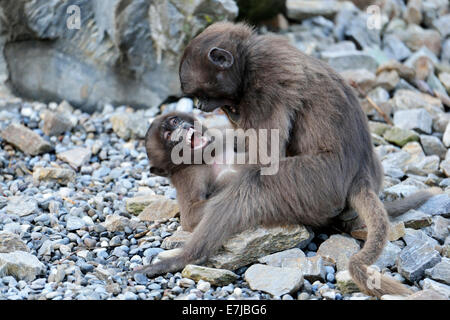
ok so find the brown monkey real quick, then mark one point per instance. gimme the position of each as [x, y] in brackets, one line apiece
[262, 82]
[194, 182]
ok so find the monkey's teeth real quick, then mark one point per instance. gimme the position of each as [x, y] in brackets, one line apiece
[189, 135]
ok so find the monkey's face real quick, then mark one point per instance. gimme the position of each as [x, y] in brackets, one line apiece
[209, 72]
[168, 131]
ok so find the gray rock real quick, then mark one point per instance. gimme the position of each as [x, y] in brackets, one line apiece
[218, 277]
[395, 48]
[440, 228]
[357, 30]
[417, 119]
[443, 25]
[25, 139]
[55, 124]
[313, 268]
[415, 259]
[433, 146]
[389, 256]
[75, 157]
[10, 242]
[437, 205]
[21, 206]
[345, 282]
[176, 240]
[129, 125]
[74, 223]
[248, 246]
[440, 288]
[440, 272]
[347, 60]
[126, 53]
[278, 258]
[303, 9]
[426, 295]
[415, 219]
[21, 265]
[337, 250]
[446, 137]
[274, 280]
[413, 237]
[59, 175]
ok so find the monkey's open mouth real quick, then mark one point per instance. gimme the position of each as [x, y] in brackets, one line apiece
[195, 139]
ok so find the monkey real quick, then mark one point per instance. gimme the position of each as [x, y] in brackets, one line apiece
[194, 183]
[327, 161]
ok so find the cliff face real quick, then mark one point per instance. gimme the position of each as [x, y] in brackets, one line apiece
[91, 52]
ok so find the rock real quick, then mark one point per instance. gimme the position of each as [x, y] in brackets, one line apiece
[440, 288]
[217, 277]
[440, 228]
[115, 222]
[445, 167]
[432, 146]
[274, 280]
[415, 259]
[400, 136]
[137, 204]
[312, 268]
[413, 13]
[159, 208]
[364, 79]
[248, 246]
[402, 70]
[446, 137]
[396, 231]
[414, 219]
[302, 9]
[25, 139]
[418, 119]
[10, 242]
[74, 223]
[129, 125]
[176, 240]
[416, 37]
[395, 48]
[443, 25]
[55, 124]
[75, 157]
[387, 79]
[407, 99]
[426, 295]
[437, 205]
[345, 282]
[363, 36]
[137, 44]
[337, 250]
[21, 206]
[399, 191]
[389, 256]
[21, 265]
[277, 259]
[440, 272]
[59, 175]
[445, 79]
[413, 237]
[348, 60]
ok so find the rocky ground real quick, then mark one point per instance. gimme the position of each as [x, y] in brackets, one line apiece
[79, 208]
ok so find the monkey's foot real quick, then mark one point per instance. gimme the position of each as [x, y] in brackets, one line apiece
[162, 267]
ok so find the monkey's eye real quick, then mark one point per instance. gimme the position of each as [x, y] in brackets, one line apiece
[167, 135]
[173, 122]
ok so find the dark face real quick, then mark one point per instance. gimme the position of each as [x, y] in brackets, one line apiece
[165, 132]
[211, 74]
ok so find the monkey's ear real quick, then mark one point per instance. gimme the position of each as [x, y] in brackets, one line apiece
[221, 58]
[159, 171]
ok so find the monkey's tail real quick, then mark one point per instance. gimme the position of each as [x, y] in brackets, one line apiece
[370, 281]
[400, 206]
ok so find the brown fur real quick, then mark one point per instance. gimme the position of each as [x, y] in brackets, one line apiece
[331, 164]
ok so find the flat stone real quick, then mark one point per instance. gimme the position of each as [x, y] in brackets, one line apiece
[59, 175]
[413, 237]
[247, 247]
[440, 272]
[303, 9]
[55, 123]
[405, 99]
[217, 277]
[396, 231]
[25, 139]
[417, 119]
[159, 208]
[437, 205]
[274, 280]
[414, 219]
[176, 240]
[389, 256]
[439, 228]
[10, 242]
[345, 283]
[115, 222]
[378, 128]
[433, 146]
[400, 137]
[440, 288]
[277, 259]
[21, 206]
[337, 250]
[427, 294]
[415, 259]
[388, 79]
[74, 223]
[313, 268]
[75, 157]
[21, 265]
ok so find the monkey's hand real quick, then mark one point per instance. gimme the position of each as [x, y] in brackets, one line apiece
[172, 264]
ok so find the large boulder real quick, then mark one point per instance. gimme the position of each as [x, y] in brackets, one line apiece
[91, 52]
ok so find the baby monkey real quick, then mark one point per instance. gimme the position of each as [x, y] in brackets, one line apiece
[174, 142]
